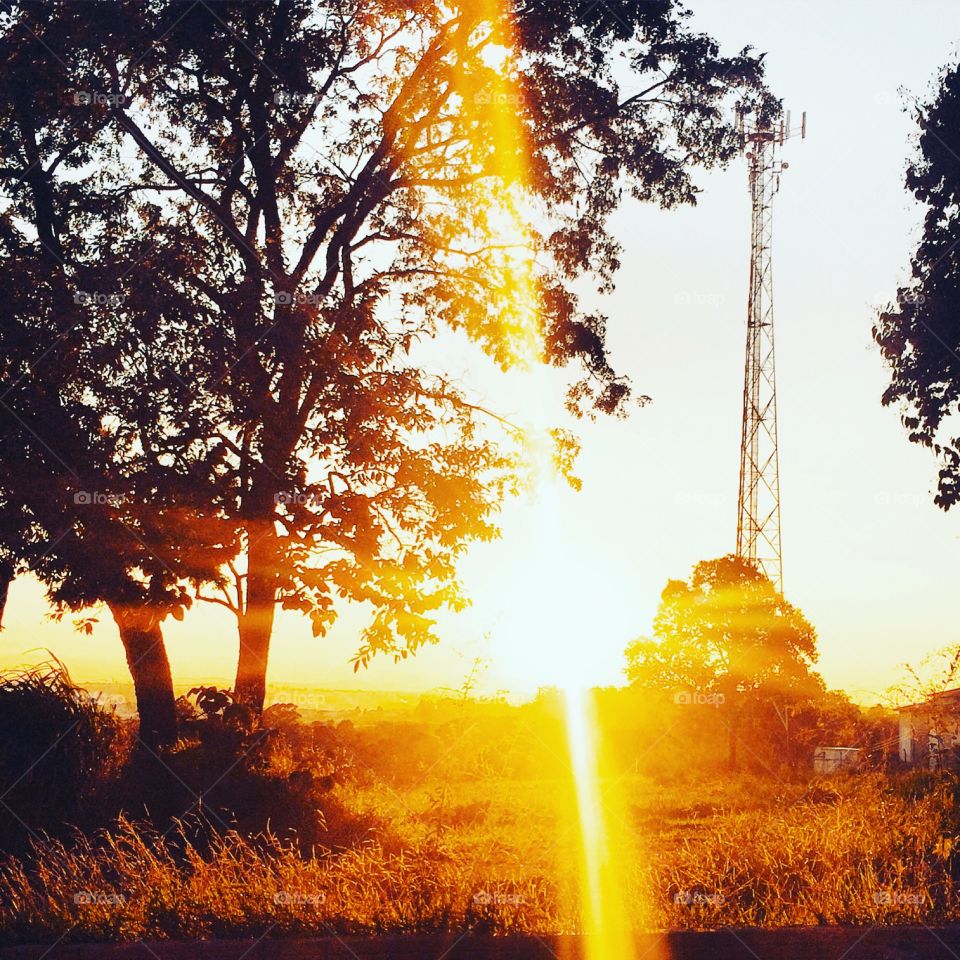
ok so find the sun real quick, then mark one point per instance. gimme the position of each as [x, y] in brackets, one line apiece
[553, 622]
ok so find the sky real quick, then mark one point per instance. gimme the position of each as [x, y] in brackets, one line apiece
[866, 555]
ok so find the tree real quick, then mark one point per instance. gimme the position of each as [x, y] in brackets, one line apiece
[727, 633]
[832, 719]
[919, 336]
[319, 186]
[90, 500]
[469, 188]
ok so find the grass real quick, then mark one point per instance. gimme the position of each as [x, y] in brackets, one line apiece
[859, 854]
[461, 820]
[58, 750]
[495, 857]
[128, 885]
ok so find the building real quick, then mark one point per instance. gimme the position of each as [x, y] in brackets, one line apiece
[930, 731]
[836, 759]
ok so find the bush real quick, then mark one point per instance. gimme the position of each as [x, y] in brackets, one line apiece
[59, 751]
[66, 762]
[233, 771]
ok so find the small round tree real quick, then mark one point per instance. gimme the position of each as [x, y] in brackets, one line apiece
[729, 633]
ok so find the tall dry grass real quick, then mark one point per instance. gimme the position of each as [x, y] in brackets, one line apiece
[133, 884]
[862, 851]
[865, 850]
[59, 752]
[288, 829]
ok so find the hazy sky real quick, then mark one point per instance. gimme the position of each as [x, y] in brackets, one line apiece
[866, 554]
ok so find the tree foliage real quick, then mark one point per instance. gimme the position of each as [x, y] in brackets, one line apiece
[726, 637]
[919, 335]
[91, 501]
[273, 203]
[726, 630]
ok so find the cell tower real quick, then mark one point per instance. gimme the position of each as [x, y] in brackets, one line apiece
[758, 522]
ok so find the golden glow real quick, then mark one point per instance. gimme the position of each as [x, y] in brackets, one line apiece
[495, 108]
[657, 494]
[551, 585]
[606, 920]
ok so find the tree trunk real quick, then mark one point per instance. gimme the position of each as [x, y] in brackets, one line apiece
[147, 659]
[6, 578]
[732, 744]
[256, 621]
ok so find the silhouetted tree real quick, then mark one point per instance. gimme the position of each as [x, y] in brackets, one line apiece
[919, 336]
[90, 499]
[728, 633]
[315, 186]
[365, 174]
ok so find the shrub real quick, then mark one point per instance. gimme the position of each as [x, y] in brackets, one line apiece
[59, 751]
[233, 771]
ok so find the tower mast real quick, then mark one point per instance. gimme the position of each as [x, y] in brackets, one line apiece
[758, 522]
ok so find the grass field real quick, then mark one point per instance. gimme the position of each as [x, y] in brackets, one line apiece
[498, 855]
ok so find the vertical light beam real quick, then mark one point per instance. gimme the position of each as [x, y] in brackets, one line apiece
[605, 915]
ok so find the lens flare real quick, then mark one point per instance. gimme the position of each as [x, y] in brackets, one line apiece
[492, 101]
[605, 839]
[604, 914]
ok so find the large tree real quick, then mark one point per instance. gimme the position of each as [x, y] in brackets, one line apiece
[729, 636]
[314, 187]
[919, 336]
[367, 174]
[91, 501]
